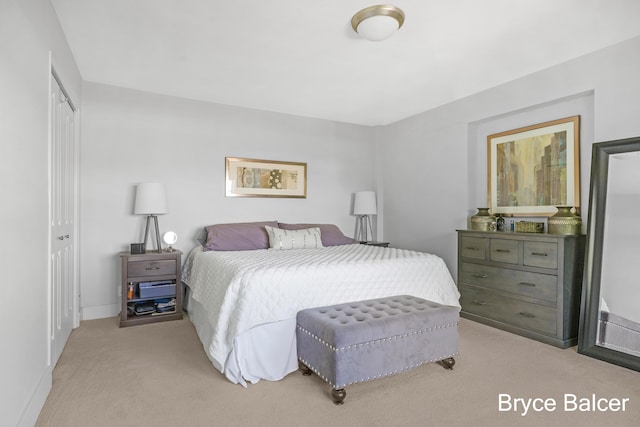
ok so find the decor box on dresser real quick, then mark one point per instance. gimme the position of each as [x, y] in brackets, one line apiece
[525, 283]
[151, 287]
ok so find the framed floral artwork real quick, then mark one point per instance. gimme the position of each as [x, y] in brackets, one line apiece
[265, 178]
[533, 169]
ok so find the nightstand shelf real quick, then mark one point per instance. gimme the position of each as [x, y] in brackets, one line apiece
[145, 268]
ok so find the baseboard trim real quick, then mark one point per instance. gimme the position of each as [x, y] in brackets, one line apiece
[99, 311]
[36, 402]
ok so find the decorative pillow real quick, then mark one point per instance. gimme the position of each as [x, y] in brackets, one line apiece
[306, 238]
[331, 234]
[242, 236]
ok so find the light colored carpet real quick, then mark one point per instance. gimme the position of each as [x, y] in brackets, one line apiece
[159, 375]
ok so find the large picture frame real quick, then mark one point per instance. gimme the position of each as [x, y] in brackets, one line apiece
[533, 169]
[265, 178]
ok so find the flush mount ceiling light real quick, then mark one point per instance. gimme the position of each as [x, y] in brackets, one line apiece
[377, 23]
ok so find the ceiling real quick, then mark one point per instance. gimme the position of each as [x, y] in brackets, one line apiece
[302, 57]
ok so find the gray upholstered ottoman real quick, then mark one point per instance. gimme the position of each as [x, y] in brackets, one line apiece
[364, 340]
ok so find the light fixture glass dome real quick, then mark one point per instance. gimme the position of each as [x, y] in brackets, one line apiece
[377, 23]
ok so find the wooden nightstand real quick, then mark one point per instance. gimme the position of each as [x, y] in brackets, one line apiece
[372, 243]
[154, 278]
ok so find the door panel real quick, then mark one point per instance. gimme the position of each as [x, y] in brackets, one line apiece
[63, 194]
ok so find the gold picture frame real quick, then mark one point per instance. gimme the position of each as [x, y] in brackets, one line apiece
[265, 178]
[533, 169]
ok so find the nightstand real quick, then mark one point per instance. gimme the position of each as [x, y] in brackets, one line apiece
[150, 284]
[372, 243]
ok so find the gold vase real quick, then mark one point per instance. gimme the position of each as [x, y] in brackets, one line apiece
[564, 222]
[482, 220]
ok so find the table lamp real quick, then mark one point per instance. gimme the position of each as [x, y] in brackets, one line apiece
[364, 205]
[151, 200]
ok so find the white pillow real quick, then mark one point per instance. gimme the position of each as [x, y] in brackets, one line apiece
[306, 238]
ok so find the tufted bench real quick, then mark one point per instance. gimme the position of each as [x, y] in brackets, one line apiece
[364, 340]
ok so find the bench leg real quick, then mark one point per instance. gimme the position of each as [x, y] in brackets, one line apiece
[305, 370]
[338, 396]
[448, 363]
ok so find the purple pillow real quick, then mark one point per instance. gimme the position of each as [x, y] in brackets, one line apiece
[243, 236]
[329, 233]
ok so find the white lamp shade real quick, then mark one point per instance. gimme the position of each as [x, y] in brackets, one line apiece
[365, 203]
[378, 28]
[151, 199]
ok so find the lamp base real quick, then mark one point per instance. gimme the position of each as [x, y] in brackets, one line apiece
[363, 222]
[146, 233]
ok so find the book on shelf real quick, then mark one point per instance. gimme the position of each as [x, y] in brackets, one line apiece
[161, 313]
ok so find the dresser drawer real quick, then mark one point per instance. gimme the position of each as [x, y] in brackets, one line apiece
[151, 268]
[511, 311]
[503, 250]
[525, 283]
[473, 247]
[541, 254]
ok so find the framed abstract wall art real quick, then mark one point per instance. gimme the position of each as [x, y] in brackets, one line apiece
[265, 178]
[533, 169]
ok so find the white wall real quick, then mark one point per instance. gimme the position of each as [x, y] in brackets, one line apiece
[433, 166]
[29, 30]
[130, 137]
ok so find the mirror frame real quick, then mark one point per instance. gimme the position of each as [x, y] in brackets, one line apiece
[590, 304]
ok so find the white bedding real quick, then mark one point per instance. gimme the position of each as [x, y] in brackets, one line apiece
[238, 291]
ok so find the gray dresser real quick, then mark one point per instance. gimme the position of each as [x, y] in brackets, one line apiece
[525, 283]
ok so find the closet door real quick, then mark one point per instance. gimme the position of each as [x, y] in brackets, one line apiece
[63, 291]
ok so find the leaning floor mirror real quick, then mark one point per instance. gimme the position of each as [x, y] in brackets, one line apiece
[610, 311]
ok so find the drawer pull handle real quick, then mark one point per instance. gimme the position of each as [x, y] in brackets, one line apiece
[472, 249]
[503, 250]
[525, 314]
[533, 285]
[480, 276]
[152, 267]
[475, 301]
[538, 253]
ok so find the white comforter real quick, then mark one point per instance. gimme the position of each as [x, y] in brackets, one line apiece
[244, 289]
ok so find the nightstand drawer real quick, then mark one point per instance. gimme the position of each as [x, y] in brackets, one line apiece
[541, 254]
[511, 311]
[503, 250]
[473, 247]
[525, 283]
[152, 268]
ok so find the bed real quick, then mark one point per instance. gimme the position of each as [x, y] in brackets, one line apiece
[243, 302]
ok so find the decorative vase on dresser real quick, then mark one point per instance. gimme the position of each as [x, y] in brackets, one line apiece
[482, 220]
[526, 283]
[564, 222]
